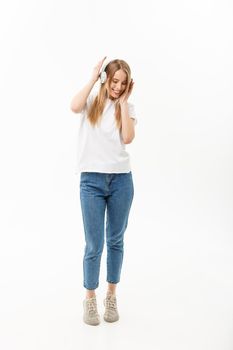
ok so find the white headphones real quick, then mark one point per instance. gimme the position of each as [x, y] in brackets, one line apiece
[103, 77]
[103, 74]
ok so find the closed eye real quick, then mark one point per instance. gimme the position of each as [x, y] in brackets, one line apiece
[124, 82]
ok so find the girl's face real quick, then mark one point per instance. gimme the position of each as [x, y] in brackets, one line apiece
[118, 84]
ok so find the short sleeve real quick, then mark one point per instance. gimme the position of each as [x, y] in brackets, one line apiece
[132, 112]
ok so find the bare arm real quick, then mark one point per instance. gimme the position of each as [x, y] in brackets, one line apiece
[79, 100]
[128, 131]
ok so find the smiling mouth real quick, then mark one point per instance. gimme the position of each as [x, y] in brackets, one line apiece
[116, 92]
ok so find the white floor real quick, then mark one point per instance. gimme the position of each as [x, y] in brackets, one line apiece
[176, 285]
[175, 293]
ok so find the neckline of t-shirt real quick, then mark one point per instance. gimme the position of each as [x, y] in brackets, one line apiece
[110, 100]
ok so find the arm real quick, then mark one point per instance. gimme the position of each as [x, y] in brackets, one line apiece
[128, 132]
[79, 100]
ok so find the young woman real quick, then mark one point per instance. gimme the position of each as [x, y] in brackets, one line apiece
[106, 125]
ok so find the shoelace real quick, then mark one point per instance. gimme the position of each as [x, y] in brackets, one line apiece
[91, 305]
[111, 304]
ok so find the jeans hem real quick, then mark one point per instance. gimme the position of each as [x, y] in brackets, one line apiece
[113, 282]
[90, 288]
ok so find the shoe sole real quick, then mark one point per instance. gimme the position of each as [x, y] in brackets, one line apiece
[90, 323]
[110, 321]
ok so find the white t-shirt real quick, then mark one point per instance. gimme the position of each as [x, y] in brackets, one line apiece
[100, 147]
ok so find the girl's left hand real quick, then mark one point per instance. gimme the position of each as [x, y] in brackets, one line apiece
[124, 97]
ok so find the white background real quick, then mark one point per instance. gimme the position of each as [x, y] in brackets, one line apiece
[177, 281]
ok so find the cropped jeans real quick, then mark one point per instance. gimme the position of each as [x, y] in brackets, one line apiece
[100, 192]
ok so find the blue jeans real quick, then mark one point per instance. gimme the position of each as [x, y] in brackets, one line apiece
[98, 192]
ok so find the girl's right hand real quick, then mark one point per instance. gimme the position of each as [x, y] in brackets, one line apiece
[96, 70]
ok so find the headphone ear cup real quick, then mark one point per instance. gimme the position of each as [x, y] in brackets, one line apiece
[103, 77]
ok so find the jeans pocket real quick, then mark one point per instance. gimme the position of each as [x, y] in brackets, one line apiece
[87, 179]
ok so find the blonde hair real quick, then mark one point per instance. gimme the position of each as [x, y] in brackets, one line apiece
[97, 107]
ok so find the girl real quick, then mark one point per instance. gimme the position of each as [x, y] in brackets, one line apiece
[107, 124]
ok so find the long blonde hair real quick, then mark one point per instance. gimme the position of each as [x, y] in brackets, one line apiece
[97, 107]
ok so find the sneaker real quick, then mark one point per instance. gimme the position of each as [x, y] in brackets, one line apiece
[111, 312]
[91, 315]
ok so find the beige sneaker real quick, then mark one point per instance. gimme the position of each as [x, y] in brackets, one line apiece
[91, 315]
[111, 312]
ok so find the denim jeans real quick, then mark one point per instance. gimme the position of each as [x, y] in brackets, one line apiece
[100, 192]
